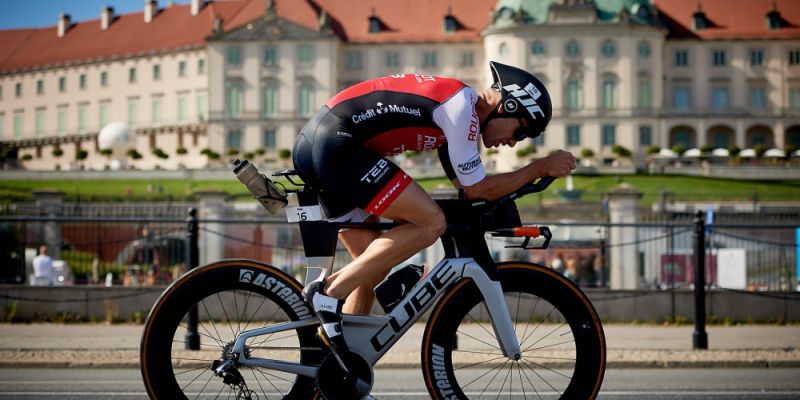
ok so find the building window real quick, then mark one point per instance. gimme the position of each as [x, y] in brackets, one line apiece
[503, 49]
[104, 116]
[156, 72]
[132, 75]
[681, 58]
[82, 82]
[450, 24]
[573, 49]
[133, 113]
[305, 54]
[155, 112]
[62, 120]
[573, 94]
[269, 99]
[609, 93]
[19, 117]
[794, 98]
[234, 56]
[429, 59]
[234, 101]
[374, 24]
[202, 107]
[538, 48]
[62, 84]
[683, 138]
[235, 140]
[182, 69]
[758, 137]
[40, 87]
[645, 94]
[104, 79]
[758, 98]
[719, 139]
[201, 67]
[18, 90]
[268, 140]
[719, 98]
[794, 57]
[608, 49]
[270, 56]
[353, 60]
[467, 59]
[304, 99]
[756, 57]
[682, 98]
[83, 113]
[573, 135]
[609, 135]
[40, 122]
[644, 49]
[645, 135]
[392, 59]
[183, 109]
[718, 58]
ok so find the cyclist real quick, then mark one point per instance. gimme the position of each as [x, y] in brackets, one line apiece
[342, 151]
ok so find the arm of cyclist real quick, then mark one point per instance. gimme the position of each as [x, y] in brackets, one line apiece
[558, 165]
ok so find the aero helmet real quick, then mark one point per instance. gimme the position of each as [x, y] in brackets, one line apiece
[523, 96]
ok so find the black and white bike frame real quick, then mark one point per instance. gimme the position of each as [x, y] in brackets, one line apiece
[371, 336]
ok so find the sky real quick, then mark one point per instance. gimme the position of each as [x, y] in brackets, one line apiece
[15, 14]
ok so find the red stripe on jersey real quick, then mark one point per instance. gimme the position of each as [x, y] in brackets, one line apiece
[433, 87]
[398, 140]
[386, 196]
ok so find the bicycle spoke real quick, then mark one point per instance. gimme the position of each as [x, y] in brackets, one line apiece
[474, 352]
[205, 386]
[270, 339]
[213, 325]
[540, 377]
[548, 334]
[528, 322]
[264, 392]
[264, 300]
[516, 314]
[236, 309]
[220, 392]
[540, 324]
[479, 324]
[207, 334]
[192, 381]
[261, 370]
[479, 362]
[268, 380]
[478, 340]
[227, 318]
[270, 319]
[484, 374]
[184, 372]
[529, 381]
[201, 344]
[499, 392]
[521, 383]
[549, 369]
[493, 378]
[549, 345]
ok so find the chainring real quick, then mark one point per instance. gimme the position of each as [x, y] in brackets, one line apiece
[335, 384]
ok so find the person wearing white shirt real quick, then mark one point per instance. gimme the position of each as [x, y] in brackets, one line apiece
[43, 268]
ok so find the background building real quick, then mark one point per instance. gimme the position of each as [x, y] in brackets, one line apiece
[244, 76]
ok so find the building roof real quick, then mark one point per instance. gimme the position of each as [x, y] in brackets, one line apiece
[730, 19]
[128, 35]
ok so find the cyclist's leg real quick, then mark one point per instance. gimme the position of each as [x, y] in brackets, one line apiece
[356, 241]
[422, 223]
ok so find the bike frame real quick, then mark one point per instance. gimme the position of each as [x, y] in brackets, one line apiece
[371, 336]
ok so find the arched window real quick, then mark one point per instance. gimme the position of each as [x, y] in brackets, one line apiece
[538, 48]
[573, 49]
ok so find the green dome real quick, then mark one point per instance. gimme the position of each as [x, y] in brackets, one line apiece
[508, 12]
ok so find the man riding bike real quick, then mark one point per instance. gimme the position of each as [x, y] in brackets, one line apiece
[342, 151]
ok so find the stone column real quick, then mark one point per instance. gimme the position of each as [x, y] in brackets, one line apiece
[49, 202]
[211, 241]
[623, 207]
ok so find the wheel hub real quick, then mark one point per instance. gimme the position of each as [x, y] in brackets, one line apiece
[335, 384]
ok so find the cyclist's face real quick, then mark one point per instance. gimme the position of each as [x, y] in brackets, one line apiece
[501, 131]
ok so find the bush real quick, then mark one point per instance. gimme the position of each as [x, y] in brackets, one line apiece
[233, 152]
[249, 155]
[212, 155]
[27, 157]
[587, 153]
[106, 152]
[734, 151]
[284, 154]
[707, 149]
[81, 155]
[760, 149]
[133, 154]
[679, 149]
[57, 152]
[206, 151]
[492, 152]
[621, 151]
[526, 151]
[260, 151]
[790, 148]
[160, 153]
[653, 149]
[181, 151]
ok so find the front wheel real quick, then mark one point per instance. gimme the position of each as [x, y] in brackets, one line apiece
[230, 296]
[560, 335]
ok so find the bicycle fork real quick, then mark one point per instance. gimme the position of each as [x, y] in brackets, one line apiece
[502, 324]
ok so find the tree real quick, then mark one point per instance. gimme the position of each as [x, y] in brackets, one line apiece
[734, 151]
[249, 155]
[760, 149]
[679, 149]
[707, 149]
[653, 149]
[260, 151]
[284, 154]
[181, 151]
[621, 151]
[587, 153]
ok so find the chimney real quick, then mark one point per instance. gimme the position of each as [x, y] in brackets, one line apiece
[64, 22]
[150, 9]
[106, 16]
[197, 5]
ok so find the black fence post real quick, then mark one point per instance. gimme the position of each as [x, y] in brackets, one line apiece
[700, 337]
[192, 255]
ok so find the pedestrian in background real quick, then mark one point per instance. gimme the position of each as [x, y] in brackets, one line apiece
[43, 268]
[558, 263]
[571, 270]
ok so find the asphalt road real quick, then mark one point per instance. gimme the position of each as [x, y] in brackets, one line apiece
[396, 384]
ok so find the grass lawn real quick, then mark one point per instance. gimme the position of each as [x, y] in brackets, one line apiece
[684, 189]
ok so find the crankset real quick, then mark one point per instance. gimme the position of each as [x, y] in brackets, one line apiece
[334, 383]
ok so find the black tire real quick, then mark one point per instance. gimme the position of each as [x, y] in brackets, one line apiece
[564, 351]
[231, 296]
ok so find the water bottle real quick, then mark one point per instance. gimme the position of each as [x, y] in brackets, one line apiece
[262, 188]
[397, 285]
